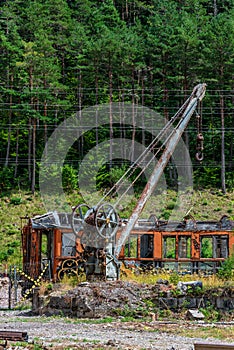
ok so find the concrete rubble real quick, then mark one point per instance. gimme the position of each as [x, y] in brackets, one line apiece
[123, 299]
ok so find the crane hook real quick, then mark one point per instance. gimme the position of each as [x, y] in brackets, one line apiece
[199, 156]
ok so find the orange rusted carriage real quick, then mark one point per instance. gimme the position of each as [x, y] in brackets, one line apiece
[187, 246]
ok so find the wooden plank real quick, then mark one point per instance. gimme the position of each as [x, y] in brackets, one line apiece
[205, 346]
[14, 335]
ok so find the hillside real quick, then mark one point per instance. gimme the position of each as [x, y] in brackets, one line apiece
[203, 205]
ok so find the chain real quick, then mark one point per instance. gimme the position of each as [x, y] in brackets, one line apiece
[200, 139]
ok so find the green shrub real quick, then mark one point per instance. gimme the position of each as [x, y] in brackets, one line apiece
[69, 178]
[226, 271]
[16, 200]
[174, 278]
[170, 205]
[166, 214]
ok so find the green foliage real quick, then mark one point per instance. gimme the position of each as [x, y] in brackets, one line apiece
[70, 178]
[129, 313]
[206, 247]
[148, 54]
[6, 180]
[16, 200]
[166, 214]
[59, 57]
[211, 313]
[226, 271]
[174, 278]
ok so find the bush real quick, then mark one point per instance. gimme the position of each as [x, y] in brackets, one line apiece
[226, 271]
[70, 178]
[174, 278]
[16, 200]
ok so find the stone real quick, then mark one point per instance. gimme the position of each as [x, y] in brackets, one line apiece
[184, 286]
[195, 315]
[162, 281]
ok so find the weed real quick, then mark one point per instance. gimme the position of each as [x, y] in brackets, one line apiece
[170, 205]
[165, 313]
[130, 313]
[211, 314]
[174, 278]
[16, 200]
[226, 271]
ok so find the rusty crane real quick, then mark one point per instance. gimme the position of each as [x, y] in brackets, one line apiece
[94, 240]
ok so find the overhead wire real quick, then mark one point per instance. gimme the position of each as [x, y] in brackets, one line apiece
[145, 153]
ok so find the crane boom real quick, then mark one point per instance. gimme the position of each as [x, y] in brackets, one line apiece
[196, 96]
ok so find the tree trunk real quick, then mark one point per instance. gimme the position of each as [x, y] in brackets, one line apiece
[45, 122]
[96, 97]
[222, 144]
[81, 139]
[133, 118]
[16, 152]
[110, 111]
[143, 103]
[9, 126]
[29, 148]
[33, 156]
[215, 8]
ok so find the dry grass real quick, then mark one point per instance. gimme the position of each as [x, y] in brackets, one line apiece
[191, 330]
[151, 277]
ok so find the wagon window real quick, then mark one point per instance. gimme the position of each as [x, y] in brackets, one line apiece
[220, 244]
[130, 248]
[44, 245]
[206, 247]
[147, 245]
[169, 247]
[184, 247]
[68, 244]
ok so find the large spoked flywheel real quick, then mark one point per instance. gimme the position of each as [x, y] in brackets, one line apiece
[106, 220]
[78, 215]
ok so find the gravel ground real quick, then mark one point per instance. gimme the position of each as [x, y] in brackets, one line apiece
[71, 333]
[67, 333]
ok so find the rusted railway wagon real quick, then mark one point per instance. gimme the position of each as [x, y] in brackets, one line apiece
[51, 249]
[188, 245]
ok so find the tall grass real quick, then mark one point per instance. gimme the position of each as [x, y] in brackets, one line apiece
[151, 277]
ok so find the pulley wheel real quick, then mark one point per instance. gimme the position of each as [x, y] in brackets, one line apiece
[106, 220]
[77, 218]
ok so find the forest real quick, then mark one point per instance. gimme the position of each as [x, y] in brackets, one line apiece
[60, 57]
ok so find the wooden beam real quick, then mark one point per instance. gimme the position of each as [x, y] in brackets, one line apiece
[205, 346]
[14, 335]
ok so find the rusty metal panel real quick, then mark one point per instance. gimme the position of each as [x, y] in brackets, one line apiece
[157, 245]
[57, 249]
[231, 243]
[195, 249]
